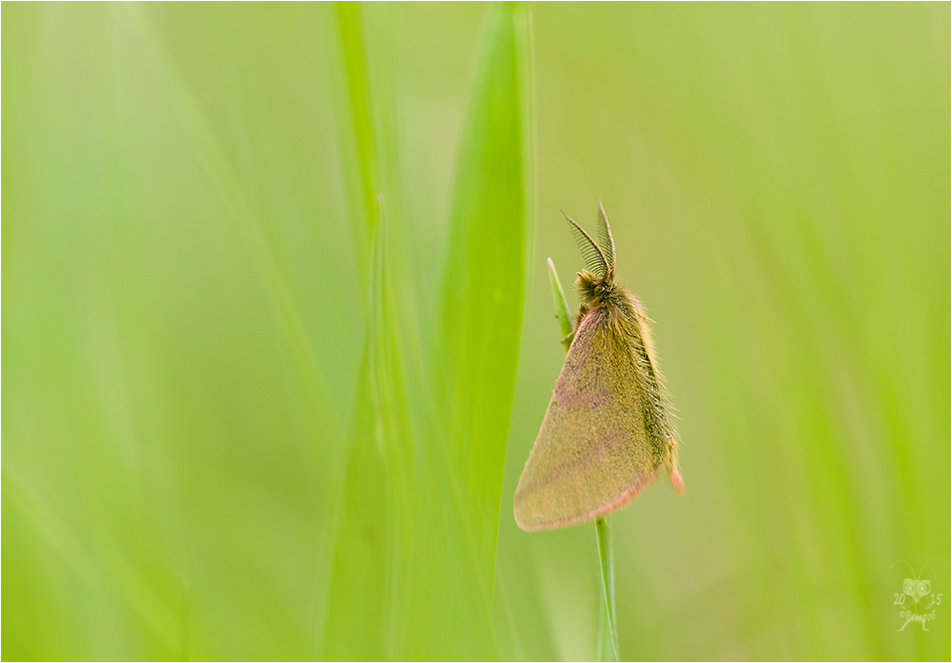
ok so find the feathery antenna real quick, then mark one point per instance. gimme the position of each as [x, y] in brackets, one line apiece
[605, 239]
[594, 257]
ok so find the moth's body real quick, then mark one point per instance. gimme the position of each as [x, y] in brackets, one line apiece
[625, 320]
[606, 433]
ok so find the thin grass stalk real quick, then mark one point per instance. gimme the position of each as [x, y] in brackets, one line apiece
[607, 625]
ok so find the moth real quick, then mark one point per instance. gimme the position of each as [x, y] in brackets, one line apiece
[607, 432]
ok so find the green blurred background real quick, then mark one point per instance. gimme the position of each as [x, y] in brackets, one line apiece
[278, 333]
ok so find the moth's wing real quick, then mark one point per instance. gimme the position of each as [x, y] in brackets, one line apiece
[592, 455]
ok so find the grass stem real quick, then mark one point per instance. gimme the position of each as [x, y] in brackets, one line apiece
[561, 306]
[608, 629]
[606, 562]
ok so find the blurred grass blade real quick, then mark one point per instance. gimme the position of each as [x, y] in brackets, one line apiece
[198, 131]
[111, 571]
[357, 619]
[477, 341]
[485, 280]
[350, 28]
[359, 113]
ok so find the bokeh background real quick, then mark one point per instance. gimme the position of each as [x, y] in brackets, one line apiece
[278, 332]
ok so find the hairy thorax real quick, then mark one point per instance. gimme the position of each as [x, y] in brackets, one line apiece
[602, 292]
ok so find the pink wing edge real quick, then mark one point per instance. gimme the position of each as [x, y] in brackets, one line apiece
[631, 491]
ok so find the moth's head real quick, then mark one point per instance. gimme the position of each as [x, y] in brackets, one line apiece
[594, 287]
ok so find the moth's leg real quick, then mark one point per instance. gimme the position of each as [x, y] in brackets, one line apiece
[568, 338]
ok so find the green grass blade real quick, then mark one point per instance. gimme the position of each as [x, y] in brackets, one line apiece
[358, 615]
[562, 313]
[484, 283]
[484, 286]
[350, 30]
[361, 616]
[198, 131]
[608, 624]
[480, 323]
[140, 600]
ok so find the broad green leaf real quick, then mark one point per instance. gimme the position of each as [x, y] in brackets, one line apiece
[484, 282]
